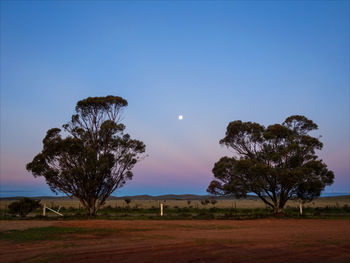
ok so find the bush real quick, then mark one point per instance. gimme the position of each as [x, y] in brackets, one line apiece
[213, 201]
[24, 206]
[205, 202]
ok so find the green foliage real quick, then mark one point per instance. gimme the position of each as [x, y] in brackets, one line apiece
[23, 207]
[94, 159]
[46, 233]
[115, 213]
[276, 163]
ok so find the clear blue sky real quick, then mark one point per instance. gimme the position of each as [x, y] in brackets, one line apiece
[213, 62]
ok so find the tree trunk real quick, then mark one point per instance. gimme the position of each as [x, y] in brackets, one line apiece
[277, 210]
[91, 211]
[90, 207]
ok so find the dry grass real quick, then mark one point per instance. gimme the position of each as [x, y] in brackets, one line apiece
[321, 202]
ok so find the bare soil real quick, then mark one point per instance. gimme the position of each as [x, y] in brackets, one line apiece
[265, 240]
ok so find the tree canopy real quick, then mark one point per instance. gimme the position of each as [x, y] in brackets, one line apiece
[277, 163]
[95, 158]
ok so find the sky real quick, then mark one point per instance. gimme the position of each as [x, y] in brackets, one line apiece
[211, 61]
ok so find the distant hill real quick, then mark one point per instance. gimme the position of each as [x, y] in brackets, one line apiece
[138, 197]
[159, 197]
[175, 197]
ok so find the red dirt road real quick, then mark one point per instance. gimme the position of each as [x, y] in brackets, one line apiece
[266, 240]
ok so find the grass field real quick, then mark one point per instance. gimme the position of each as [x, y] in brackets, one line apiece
[338, 201]
[330, 207]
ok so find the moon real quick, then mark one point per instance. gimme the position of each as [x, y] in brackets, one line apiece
[180, 117]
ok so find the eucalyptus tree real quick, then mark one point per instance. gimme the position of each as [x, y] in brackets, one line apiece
[94, 158]
[277, 163]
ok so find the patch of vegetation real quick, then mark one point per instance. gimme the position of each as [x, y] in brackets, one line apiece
[178, 213]
[303, 244]
[329, 242]
[46, 233]
[45, 258]
[202, 241]
[23, 207]
[205, 227]
[326, 212]
[135, 229]
[205, 241]
[65, 245]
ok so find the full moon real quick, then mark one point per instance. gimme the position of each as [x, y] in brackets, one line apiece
[180, 117]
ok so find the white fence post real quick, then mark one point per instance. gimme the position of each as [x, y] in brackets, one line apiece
[301, 207]
[56, 212]
[161, 209]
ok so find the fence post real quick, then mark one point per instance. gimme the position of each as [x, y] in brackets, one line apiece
[161, 209]
[44, 209]
[301, 207]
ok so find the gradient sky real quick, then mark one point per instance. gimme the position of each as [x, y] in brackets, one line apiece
[212, 62]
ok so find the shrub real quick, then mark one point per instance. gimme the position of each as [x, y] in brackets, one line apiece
[213, 201]
[24, 206]
[205, 202]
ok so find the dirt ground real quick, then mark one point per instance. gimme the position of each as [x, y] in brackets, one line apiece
[265, 240]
